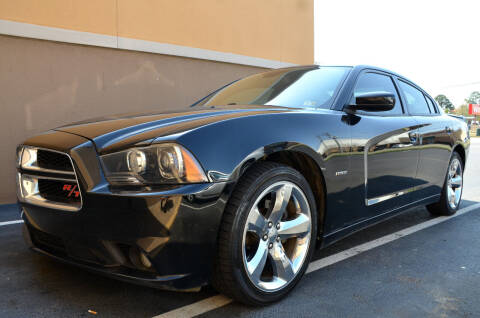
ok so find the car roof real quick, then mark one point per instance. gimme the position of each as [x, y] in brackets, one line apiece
[357, 68]
[361, 67]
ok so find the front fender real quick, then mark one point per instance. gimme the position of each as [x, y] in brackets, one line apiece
[261, 153]
[225, 148]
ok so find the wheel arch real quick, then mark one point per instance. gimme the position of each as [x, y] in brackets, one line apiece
[304, 164]
[461, 151]
[301, 158]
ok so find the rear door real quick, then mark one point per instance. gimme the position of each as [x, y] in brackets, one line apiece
[434, 140]
[384, 164]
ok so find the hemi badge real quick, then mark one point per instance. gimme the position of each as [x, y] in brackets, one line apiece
[341, 173]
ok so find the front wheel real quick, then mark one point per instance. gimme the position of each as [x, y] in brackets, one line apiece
[452, 189]
[267, 235]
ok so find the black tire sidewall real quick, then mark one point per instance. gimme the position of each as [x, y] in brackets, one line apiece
[281, 173]
[444, 201]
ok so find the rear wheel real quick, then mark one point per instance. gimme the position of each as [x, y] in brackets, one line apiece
[267, 235]
[452, 189]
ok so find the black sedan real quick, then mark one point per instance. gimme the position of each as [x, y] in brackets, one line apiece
[240, 188]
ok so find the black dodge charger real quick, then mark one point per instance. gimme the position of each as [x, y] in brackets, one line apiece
[238, 189]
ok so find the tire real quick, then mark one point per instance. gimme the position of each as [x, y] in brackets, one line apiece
[250, 265]
[453, 182]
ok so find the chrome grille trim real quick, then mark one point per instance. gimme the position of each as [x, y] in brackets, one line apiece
[28, 173]
[32, 164]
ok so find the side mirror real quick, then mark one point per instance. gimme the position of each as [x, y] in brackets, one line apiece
[373, 102]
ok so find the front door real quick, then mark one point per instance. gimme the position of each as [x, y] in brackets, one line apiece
[386, 155]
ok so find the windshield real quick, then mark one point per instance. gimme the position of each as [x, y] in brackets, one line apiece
[307, 87]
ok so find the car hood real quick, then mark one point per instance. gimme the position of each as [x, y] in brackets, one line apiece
[112, 133]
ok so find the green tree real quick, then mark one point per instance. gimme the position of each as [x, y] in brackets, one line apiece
[474, 98]
[444, 102]
[462, 110]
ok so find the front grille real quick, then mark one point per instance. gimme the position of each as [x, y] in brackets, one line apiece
[47, 178]
[53, 160]
[59, 191]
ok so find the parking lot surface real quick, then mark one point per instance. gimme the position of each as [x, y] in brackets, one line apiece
[434, 271]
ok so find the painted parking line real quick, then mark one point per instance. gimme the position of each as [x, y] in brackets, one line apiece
[198, 308]
[11, 222]
[218, 301]
[324, 262]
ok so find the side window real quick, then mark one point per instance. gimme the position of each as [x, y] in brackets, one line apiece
[417, 105]
[374, 82]
[431, 105]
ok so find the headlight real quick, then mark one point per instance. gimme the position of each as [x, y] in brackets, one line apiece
[157, 164]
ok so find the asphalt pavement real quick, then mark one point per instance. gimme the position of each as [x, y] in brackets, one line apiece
[433, 271]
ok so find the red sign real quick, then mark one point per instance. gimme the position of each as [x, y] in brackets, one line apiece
[474, 109]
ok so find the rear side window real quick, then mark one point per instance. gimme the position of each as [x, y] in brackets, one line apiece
[416, 103]
[374, 82]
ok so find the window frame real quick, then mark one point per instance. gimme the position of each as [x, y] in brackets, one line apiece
[429, 102]
[435, 106]
[395, 85]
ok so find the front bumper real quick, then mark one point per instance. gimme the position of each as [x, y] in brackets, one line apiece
[120, 232]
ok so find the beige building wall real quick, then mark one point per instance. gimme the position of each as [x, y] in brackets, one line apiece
[68, 60]
[280, 30]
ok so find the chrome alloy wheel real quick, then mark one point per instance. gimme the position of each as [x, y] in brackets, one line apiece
[454, 183]
[276, 236]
